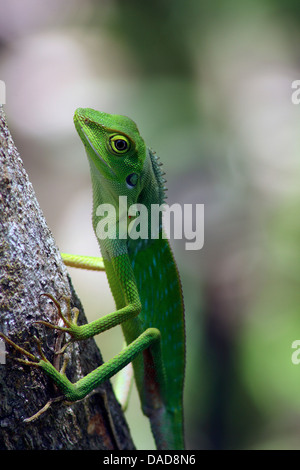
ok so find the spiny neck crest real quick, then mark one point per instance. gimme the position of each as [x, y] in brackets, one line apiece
[159, 175]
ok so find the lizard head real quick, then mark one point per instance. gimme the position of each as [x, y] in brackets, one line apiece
[114, 147]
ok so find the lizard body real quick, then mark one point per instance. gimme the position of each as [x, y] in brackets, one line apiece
[142, 275]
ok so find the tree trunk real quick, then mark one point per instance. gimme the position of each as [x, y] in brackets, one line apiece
[30, 265]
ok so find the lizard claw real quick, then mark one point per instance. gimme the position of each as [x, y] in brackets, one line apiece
[34, 360]
[70, 324]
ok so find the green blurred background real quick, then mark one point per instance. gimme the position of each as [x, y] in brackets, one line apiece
[209, 84]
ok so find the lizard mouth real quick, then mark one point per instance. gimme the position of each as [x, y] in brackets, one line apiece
[97, 153]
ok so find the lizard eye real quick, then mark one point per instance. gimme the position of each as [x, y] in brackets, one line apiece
[119, 144]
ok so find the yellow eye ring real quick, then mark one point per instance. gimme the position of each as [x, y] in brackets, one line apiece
[119, 144]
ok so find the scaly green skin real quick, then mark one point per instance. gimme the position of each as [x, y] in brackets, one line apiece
[143, 278]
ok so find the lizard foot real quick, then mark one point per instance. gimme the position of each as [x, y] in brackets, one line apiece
[70, 327]
[35, 361]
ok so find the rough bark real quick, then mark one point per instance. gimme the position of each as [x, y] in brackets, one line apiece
[30, 264]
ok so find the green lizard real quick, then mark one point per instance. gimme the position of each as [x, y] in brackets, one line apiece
[143, 278]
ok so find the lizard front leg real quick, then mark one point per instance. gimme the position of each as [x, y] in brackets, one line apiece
[126, 280]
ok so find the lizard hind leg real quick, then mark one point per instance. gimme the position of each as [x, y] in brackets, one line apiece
[84, 386]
